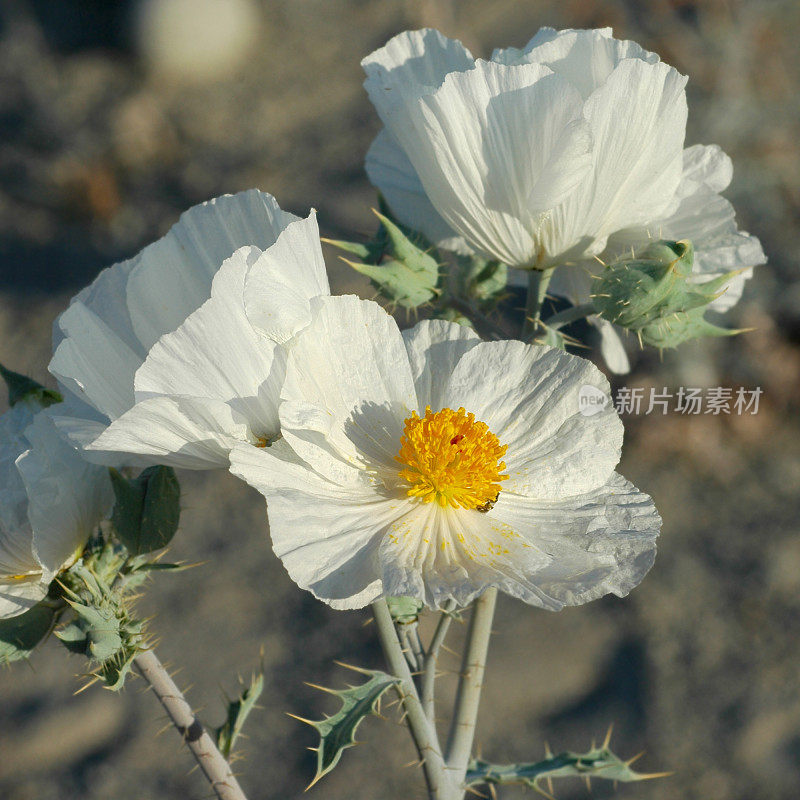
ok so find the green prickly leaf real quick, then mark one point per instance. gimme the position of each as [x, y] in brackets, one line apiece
[21, 387]
[598, 762]
[115, 670]
[19, 635]
[404, 609]
[238, 712]
[147, 509]
[337, 732]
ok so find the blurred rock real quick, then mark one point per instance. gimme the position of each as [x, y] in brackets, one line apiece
[196, 40]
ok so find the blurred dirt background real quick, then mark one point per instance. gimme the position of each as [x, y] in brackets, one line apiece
[116, 116]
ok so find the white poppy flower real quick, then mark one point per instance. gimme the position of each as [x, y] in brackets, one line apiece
[704, 217]
[50, 501]
[534, 158]
[216, 380]
[434, 465]
[105, 335]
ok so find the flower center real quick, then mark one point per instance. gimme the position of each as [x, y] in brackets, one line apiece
[451, 458]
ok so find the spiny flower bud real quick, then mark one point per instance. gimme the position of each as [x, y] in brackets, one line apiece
[651, 294]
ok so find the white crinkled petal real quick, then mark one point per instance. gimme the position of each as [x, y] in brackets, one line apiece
[533, 408]
[174, 274]
[439, 554]
[638, 165]
[420, 58]
[434, 348]
[599, 542]
[16, 536]
[348, 386]
[19, 596]
[282, 281]
[216, 354]
[584, 57]
[188, 432]
[68, 497]
[390, 171]
[493, 147]
[326, 535]
[94, 363]
[104, 336]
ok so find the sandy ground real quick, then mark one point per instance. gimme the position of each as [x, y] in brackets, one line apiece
[99, 154]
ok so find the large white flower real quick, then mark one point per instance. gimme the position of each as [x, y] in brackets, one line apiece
[110, 327]
[704, 217]
[534, 158]
[50, 501]
[216, 380]
[434, 465]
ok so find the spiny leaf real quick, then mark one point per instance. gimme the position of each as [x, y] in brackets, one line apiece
[598, 762]
[21, 387]
[337, 732]
[238, 711]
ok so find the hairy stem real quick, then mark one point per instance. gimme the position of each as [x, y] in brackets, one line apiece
[538, 281]
[423, 732]
[468, 695]
[216, 769]
[429, 672]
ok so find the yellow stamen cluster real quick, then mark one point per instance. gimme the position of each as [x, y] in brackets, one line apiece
[452, 459]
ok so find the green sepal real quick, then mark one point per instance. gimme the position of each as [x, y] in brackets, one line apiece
[397, 261]
[680, 327]
[21, 387]
[598, 762]
[147, 509]
[103, 629]
[337, 732]
[404, 610]
[21, 634]
[238, 712]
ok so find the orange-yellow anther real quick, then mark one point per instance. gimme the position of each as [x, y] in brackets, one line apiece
[451, 458]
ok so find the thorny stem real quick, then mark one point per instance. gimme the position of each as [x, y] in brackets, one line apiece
[440, 786]
[468, 695]
[538, 281]
[569, 315]
[214, 766]
[429, 673]
[415, 643]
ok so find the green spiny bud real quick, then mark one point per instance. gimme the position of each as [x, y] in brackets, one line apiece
[650, 293]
